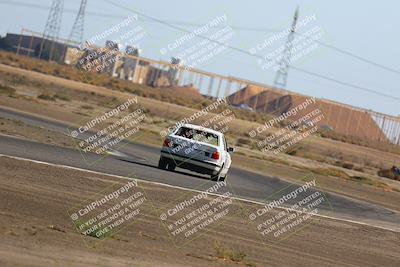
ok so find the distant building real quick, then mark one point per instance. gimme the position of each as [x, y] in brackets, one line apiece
[157, 77]
[111, 59]
[30, 45]
[173, 72]
[337, 117]
[108, 59]
[161, 77]
[133, 51]
[112, 45]
[142, 72]
[72, 55]
[130, 64]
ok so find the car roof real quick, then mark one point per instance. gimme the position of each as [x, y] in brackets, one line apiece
[198, 127]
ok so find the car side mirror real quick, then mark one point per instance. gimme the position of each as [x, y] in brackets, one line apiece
[230, 150]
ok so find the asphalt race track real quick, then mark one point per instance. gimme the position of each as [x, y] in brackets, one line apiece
[140, 161]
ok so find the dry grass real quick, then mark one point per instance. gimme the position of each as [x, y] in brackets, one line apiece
[383, 146]
[46, 97]
[231, 254]
[388, 173]
[341, 174]
[163, 94]
[7, 90]
[317, 150]
[331, 172]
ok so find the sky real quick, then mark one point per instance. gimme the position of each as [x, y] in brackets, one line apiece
[368, 29]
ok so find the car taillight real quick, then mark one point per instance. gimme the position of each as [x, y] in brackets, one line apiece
[215, 155]
[167, 143]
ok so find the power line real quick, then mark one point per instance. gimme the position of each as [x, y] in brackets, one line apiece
[337, 49]
[43, 7]
[78, 28]
[366, 89]
[284, 64]
[98, 14]
[237, 28]
[358, 57]
[52, 27]
[361, 88]
[171, 25]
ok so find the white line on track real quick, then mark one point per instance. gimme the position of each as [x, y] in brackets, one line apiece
[188, 189]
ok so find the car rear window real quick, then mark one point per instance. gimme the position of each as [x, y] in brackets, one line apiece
[198, 135]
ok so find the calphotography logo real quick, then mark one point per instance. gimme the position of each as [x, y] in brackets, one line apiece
[197, 47]
[109, 131]
[288, 46]
[301, 122]
[199, 133]
[115, 208]
[289, 211]
[190, 217]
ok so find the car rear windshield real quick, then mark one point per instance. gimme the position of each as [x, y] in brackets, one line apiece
[198, 135]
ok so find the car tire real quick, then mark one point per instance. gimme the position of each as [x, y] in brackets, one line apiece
[222, 178]
[171, 165]
[162, 163]
[217, 177]
[214, 178]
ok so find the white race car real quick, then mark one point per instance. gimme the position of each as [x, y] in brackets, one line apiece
[198, 149]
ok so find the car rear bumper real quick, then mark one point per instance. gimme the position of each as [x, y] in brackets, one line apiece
[193, 164]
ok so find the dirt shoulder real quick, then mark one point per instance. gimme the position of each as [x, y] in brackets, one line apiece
[19, 129]
[35, 230]
[76, 102]
[338, 185]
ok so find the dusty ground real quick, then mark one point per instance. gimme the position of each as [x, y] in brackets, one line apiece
[372, 194]
[31, 84]
[35, 230]
[77, 102]
[22, 130]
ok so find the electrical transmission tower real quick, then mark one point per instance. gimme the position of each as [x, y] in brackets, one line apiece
[76, 34]
[284, 64]
[52, 28]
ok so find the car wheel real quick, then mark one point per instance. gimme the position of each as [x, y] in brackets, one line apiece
[217, 177]
[171, 165]
[214, 177]
[222, 178]
[162, 163]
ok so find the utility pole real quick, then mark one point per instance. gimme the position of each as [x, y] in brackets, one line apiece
[284, 64]
[76, 34]
[52, 28]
